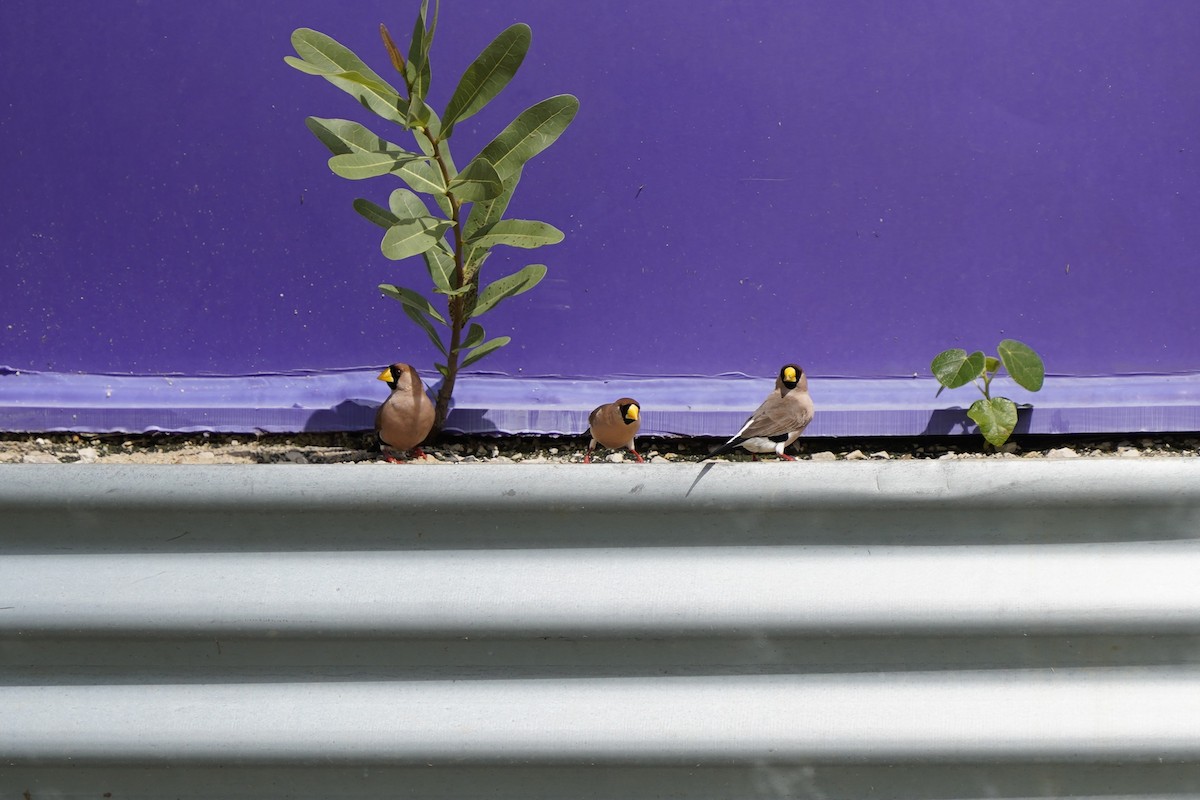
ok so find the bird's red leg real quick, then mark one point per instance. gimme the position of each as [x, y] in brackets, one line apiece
[418, 452]
[786, 457]
[587, 457]
[636, 455]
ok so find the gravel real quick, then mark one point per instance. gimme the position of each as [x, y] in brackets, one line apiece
[357, 448]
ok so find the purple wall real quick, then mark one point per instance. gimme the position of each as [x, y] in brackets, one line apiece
[855, 185]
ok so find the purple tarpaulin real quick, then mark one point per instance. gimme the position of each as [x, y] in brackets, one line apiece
[853, 185]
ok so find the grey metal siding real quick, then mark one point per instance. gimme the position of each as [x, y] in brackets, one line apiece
[922, 629]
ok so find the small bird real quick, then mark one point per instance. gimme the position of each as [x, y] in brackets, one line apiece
[406, 416]
[780, 419]
[615, 425]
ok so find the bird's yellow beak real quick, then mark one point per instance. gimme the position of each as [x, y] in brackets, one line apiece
[789, 375]
[386, 375]
[632, 413]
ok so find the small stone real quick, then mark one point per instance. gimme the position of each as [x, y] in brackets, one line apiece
[206, 455]
[824, 455]
[455, 448]
[883, 454]
[553, 451]
[295, 457]
[495, 451]
[470, 460]
[1062, 452]
[87, 455]
[1010, 447]
[40, 458]
[502, 460]
[948, 457]
[660, 460]
[856, 455]
[1131, 452]
[615, 458]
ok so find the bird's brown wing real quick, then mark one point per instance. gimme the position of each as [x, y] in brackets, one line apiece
[775, 416]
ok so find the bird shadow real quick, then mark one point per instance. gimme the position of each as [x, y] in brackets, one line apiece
[348, 415]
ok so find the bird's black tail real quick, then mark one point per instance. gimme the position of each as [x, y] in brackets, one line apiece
[727, 447]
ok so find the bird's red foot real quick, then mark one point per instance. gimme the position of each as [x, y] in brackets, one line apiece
[638, 456]
[786, 457]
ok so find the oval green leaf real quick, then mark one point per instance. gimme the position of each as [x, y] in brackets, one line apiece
[954, 368]
[484, 349]
[343, 136]
[359, 166]
[440, 264]
[535, 129]
[474, 338]
[411, 299]
[406, 205]
[478, 181]
[1023, 364]
[996, 418]
[424, 324]
[411, 237]
[374, 213]
[523, 233]
[488, 75]
[508, 286]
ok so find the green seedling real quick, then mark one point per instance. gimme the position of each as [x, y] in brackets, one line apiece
[467, 220]
[995, 416]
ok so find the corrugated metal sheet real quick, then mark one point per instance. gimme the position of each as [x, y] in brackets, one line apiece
[922, 629]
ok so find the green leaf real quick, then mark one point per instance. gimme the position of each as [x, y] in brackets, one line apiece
[411, 299]
[1023, 364]
[954, 368]
[374, 213]
[326, 55]
[358, 166]
[420, 115]
[406, 205]
[427, 326]
[477, 181]
[442, 368]
[339, 65]
[535, 129]
[475, 336]
[484, 349]
[518, 233]
[418, 51]
[411, 237]
[508, 286]
[481, 215]
[991, 364]
[439, 261]
[342, 136]
[423, 177]
[488, 75]
[996, 418]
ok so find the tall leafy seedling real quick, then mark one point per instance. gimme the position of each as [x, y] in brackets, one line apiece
[466, 221]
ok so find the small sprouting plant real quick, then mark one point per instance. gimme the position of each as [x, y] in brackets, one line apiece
[995, 416]
[455, 242]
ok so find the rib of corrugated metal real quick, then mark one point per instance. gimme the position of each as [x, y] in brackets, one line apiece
[919, 629]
